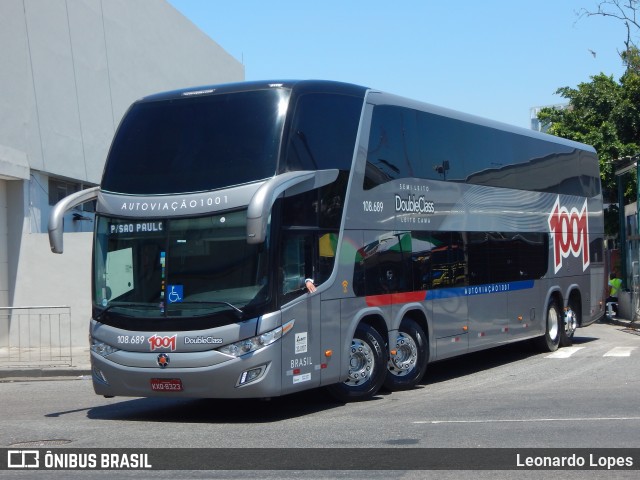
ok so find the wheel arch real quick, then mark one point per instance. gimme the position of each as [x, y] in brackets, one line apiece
[553, 295]
[419, 316]
[375, 320]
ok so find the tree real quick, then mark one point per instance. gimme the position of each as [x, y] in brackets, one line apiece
[625, 11]
[603, 113]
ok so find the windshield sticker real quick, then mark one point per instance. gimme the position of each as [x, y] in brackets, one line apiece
[163, 263]
[174, 293]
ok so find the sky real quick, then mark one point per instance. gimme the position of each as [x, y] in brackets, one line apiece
[492, 58]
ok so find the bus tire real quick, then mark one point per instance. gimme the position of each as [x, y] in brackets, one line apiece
[408, 366]
[570, 323]
[550, 341]
[367, 363]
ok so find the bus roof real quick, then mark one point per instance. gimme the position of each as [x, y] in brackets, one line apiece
[298, 85]
[382, 98]
[373, 96]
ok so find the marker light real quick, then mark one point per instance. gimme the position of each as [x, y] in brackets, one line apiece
[256, 343]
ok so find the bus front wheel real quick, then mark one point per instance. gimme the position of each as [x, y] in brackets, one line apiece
[367, 366]
[407, 367]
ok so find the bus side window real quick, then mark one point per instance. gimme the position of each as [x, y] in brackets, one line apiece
[327, 243]
[306, 255]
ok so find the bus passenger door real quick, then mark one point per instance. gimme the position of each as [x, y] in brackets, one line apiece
[301, 347]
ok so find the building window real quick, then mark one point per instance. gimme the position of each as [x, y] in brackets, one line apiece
[59, 189]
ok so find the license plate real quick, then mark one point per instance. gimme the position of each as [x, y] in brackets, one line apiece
[166, 384]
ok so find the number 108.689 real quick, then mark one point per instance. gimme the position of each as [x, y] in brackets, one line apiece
[371, 206]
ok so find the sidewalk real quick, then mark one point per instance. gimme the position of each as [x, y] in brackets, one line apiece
[622, 322]
[18, 365]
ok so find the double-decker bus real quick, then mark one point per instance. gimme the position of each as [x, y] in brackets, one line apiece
[426, 233]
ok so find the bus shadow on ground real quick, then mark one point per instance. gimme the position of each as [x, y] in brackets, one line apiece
[475, 362]
[238, 411]
[222, 411]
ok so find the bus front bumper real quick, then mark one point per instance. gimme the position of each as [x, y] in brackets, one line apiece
[254, 375]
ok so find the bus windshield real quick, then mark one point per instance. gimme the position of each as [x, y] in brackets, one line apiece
[187, 267]
[196, 144]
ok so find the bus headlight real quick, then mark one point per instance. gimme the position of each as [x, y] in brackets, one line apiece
[256, 343]
[101, 348]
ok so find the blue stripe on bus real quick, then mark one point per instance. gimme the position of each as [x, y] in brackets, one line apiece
[485, 289]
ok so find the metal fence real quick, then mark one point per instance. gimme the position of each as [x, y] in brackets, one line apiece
[35, 336]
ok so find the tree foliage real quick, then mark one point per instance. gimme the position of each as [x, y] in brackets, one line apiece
[604, 112]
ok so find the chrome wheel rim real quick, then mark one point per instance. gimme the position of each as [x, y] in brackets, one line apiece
[361, 363]
[571, 323]
[552, 323]
[406, 357]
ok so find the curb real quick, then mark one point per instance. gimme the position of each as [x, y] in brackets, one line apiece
[621, 322]
[42, 373]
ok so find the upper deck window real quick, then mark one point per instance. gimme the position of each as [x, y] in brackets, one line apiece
[197, 143]
[323, 132]
[407, 143]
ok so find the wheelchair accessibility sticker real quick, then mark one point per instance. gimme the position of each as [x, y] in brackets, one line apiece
[174, 293]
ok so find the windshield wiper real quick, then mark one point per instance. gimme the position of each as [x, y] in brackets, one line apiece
[239, 313]
[122, 305]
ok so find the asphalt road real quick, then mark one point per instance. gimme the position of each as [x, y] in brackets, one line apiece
[584, 396]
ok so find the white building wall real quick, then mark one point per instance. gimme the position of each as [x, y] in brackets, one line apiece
[4, 253]
[57, 280]
[70, 69]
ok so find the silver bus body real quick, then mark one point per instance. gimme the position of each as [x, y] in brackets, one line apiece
[424, 256]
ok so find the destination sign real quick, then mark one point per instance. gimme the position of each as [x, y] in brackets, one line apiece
[135, 227]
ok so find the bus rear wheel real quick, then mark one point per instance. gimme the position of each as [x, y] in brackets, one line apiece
[367, 366]
[570, 323]
[407, 367]
[553, 330]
